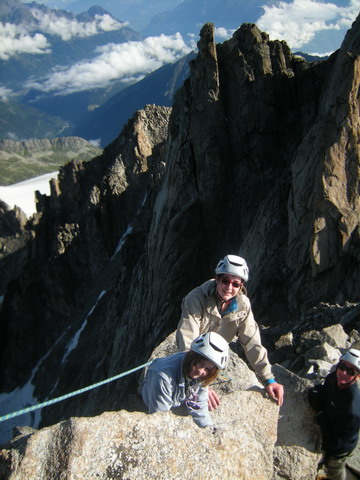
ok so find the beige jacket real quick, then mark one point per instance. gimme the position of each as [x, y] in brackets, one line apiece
[200, 314]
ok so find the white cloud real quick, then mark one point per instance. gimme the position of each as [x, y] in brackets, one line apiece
[67, 28]
[222, 33]
[96, 142]
[15, 39]
[349, 14]
[23, 194]
[297, 22]
[5, 93]
[123, 61]
[192, 41]
[11, 136]
[108, 24]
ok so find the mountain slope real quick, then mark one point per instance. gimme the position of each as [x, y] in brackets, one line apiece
[157, 88]
[62, 51]
[66, 39]
[18, 121]
[136, 12]
[27, 159]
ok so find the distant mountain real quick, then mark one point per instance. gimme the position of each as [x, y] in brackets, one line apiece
[137, 12]
[64, 52]
[19, 121]
[32, 79]
[157, 88]
[312, 58]
[32, 113]
[74, 107]
[31, 158]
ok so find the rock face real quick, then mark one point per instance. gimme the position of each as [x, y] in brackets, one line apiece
[14, 242]
[259, 158]
[331, 225]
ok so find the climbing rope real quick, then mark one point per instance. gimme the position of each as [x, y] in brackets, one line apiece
[71, 394]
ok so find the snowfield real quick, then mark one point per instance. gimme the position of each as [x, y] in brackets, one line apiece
[23, 194]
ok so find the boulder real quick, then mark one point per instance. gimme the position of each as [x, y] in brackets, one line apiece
[336, 336]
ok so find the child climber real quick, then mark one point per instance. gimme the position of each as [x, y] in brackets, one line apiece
[183, 378]
[337, 403]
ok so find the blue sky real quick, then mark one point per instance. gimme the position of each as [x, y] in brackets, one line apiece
[295, 21]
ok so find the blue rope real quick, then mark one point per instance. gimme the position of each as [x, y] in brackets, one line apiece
[72, 394]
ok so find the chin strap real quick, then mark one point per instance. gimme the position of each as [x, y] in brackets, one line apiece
[229, 306]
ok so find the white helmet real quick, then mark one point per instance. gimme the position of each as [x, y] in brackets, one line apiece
[233, 265]
[352, 356]
[213, 347]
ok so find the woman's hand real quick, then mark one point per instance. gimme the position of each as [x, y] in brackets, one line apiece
[276, 392]
[213, 399]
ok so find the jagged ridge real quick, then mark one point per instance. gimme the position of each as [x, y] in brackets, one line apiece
[250, 169]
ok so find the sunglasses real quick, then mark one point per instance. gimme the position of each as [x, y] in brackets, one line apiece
[349, 370]
[234, 283]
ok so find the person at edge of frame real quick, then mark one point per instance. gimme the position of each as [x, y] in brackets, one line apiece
[337, 406]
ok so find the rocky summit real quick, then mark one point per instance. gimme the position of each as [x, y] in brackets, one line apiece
[259, 156]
